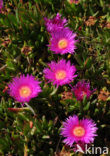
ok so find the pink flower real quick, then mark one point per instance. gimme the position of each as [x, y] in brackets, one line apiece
[55, 23]
[63, 41]
[24, 88]
[81, 89]
[1, 4]
[75, 130]
[60, 73]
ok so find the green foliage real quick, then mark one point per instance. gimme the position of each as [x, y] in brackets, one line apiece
[22, 25]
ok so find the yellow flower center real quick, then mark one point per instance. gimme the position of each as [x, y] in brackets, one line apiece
[79, 131]
[61, 74]
[25, 91]
[62, 44]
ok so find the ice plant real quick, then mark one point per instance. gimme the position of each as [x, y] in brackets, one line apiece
[1, 4]
[60, 73]
[63, 41]
[23, 88]
[82, 89]
[75, 130]
[56, 23]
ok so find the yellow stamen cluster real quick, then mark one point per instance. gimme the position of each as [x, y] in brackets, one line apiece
[79, 131]
[62, 44]
[61, 74]
[25, 91]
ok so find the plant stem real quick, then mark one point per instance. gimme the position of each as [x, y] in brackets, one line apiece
[25, 148]
[30, 108]
[54, 91]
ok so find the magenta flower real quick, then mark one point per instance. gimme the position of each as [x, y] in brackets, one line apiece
[55, 23]
[24, 88]
[60, 73]
[81, 89]
[1, 4]
[63, 41]
[75, 130]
